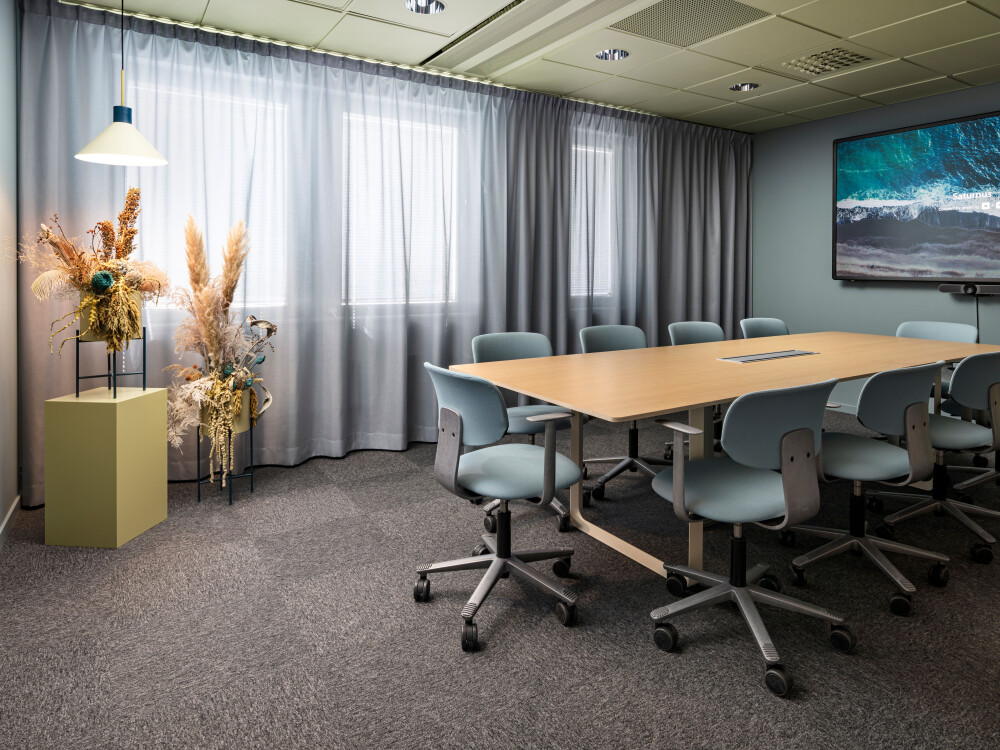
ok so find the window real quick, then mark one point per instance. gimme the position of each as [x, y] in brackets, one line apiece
[591, 239]
[229, 160]
[398, 211]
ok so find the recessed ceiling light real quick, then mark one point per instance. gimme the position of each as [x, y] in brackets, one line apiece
[744, 86]
[612, 54]
[424, 6]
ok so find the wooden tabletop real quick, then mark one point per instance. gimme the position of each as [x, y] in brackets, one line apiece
[637, 383]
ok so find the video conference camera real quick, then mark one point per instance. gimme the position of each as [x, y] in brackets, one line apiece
[970, 290]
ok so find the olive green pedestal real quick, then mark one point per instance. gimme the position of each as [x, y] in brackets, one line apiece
[105, 466]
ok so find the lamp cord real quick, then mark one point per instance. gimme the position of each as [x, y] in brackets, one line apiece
[123, 53]
[977, 319]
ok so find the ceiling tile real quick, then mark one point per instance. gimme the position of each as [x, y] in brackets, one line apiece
[976, 53]
[848, 17]
[456, 18]
[774, 6]
[769, 123]
[189, 11]
[798, 97]
[931, 30]
[769, 82]
[981, 76]
[764, 40]
[877, 77]
[286, 21]
[583, 52]
[730, 114]
[993, 6]
[916, 90]
[621, 91]
[551, 77]
[679, 104]
[834, 109]
[381, 41]
[684, 69]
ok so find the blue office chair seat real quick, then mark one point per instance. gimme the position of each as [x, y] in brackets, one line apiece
[951, 434]
[725, 491]
[863, 459]
[513, 471]
[517, 416]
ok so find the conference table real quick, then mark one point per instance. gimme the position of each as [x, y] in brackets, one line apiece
[621, 386]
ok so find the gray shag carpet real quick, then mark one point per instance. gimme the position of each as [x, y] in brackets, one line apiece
[288, 621]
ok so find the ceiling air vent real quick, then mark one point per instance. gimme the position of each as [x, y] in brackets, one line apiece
[827, 61]
[686, 22]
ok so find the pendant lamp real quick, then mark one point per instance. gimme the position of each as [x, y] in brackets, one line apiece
[121, 143]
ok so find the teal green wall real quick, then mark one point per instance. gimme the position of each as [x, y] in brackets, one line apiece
[792, 226]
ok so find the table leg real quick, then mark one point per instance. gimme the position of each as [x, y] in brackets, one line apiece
[700, 447]
[576, 454]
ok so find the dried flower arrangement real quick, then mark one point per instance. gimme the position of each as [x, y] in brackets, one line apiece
[110, 286]
[212, 395]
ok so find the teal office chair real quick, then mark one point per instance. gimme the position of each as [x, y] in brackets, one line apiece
[754, 328]
[613, 338]
[473, 414]
[975, 387]
[694, 332]
[495, 347]
[763, 433]
[893, 403]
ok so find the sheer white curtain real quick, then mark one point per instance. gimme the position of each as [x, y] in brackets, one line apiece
[393, 216]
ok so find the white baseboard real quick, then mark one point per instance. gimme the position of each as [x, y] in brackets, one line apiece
[8, 518]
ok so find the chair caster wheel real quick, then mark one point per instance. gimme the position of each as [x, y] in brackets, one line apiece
[900, 604]
[566, 613]
[422, 590]
[585, 471]
[561, 566]
[874, 504]
[490, 524]
[668, 453]
[842, 639]
[481, 549]
[770, 582]
[778, 680]
[598, 492]
[665, 636]
[885, 531]
[676, 584]
[981, 553]
[585, 501]
[963, 498]
[980, 461]
[564, 523]
[470, 636]
[938, 574]
[476, 500]
[798, 575]
[786, 538]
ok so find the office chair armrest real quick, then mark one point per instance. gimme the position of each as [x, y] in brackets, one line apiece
[799, 478]
[918, 442]
[680, 430]
[680, 427]
[550, 417]
[449, 452]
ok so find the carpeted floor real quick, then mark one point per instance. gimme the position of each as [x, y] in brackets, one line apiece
[287, 621]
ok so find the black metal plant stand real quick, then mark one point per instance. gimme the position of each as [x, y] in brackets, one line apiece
[231, 476]
[112, 375]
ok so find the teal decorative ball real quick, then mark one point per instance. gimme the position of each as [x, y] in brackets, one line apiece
[101, 281]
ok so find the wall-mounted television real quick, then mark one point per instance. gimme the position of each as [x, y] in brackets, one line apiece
[919, 203]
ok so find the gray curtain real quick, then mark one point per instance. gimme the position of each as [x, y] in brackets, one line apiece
[393, 216]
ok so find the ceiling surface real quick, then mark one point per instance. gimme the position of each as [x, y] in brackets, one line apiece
[811, 59]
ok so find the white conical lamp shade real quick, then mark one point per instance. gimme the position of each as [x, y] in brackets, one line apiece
[122, 144]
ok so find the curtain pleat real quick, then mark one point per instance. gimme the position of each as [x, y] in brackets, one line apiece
[393, 215]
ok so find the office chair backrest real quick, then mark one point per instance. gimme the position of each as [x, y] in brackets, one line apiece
[972, 379]
[754, 328]
[756, 422]
[611, 338]
[886, 395]
[494, 347]
[695, 332]
[936, 330]
[477, 401]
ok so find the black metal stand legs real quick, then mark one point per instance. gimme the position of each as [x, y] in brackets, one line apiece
[231, 476]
